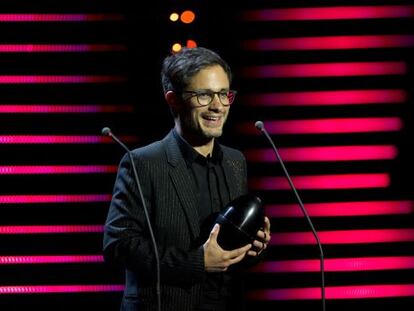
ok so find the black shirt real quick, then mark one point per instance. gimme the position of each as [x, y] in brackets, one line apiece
[212, 195]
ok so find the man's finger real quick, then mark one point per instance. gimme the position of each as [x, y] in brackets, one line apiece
[237, 252]
[259, 244]
[264, 234]
[237, 259]
[252, 253]
[267, 224]
[261, 235]
[214, 232]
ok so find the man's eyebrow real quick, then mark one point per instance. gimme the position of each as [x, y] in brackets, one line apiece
[210, 90]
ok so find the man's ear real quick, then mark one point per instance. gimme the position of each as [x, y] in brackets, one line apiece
[172, 100]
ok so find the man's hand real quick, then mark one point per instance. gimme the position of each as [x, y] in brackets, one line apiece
[263, 239]
[218, 260]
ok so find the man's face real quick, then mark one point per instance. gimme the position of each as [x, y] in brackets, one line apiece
[205, 122]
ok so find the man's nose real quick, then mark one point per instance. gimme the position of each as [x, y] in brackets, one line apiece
[216, 103]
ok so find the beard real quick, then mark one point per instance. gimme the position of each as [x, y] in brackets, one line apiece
[191, 126]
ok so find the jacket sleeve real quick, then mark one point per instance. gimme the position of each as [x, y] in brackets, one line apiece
[126, 235]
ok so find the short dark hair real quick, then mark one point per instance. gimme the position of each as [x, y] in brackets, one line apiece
[178, 69]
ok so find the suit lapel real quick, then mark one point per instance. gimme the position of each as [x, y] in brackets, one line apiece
[231, 178]
[183, 184]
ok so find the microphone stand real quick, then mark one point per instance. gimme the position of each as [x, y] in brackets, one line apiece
[260, 126]
[107, 132]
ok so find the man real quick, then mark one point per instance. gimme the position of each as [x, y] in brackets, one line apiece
[186, 178]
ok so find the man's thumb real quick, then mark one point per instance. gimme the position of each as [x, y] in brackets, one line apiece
[214, 232]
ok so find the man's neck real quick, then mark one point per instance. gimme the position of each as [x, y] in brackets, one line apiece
[205, 150]
[203, 147]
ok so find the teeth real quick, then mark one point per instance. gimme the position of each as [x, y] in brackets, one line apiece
[211, 118]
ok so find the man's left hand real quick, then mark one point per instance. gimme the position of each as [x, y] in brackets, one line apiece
[263, 238]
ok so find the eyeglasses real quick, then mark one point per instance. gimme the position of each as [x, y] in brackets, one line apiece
[206, 97]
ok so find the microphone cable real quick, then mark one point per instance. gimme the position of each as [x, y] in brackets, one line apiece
[260, 126]
[106, 131]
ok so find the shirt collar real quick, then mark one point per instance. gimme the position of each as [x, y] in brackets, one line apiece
[190, 155]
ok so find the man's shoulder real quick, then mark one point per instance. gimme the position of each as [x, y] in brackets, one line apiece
[151, 151]
[232, 153]
[155, 150]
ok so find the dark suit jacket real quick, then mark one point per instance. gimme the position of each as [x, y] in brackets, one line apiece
[169, 192]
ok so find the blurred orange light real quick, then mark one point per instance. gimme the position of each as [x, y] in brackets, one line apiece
[174, 17]
[187, 17]
[176, 47]
[191, 44]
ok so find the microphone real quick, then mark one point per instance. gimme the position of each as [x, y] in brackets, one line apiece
[260, 126]
[106, 131]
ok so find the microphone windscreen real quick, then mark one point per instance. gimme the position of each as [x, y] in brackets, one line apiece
[259, 125]
[106, 131]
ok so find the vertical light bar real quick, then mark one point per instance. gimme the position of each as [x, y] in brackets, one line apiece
[50, 229]
[326, 98]
[327, 126]
[343, 209]
[363, 236]
[52, 79]
[53, 198]
[52, 17]
[329, 43]
[349, 69]
[320, 182]
[50, 289]
[334, 292]
[329, 13]
[324, 153]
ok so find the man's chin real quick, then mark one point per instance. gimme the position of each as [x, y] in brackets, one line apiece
[212, 133]
[204, 134]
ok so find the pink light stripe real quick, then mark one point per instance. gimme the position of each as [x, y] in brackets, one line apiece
[65, 108]
[328, 98]
[54, 198]
[344, 237]
[57, 169]
[334, 292]
[330, 153]
[59, 139]
[330, 13]
[337, 265]
[64, 48]
[325, 70]
[323, 182]
[60, 79]
[50, 259]
[19, 18]
[48, 289]
[58, 229]
[329, 43]
[342, 209]
[326, 126]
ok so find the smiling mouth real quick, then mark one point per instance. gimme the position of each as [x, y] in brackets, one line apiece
[212, 118]
[212, 121]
